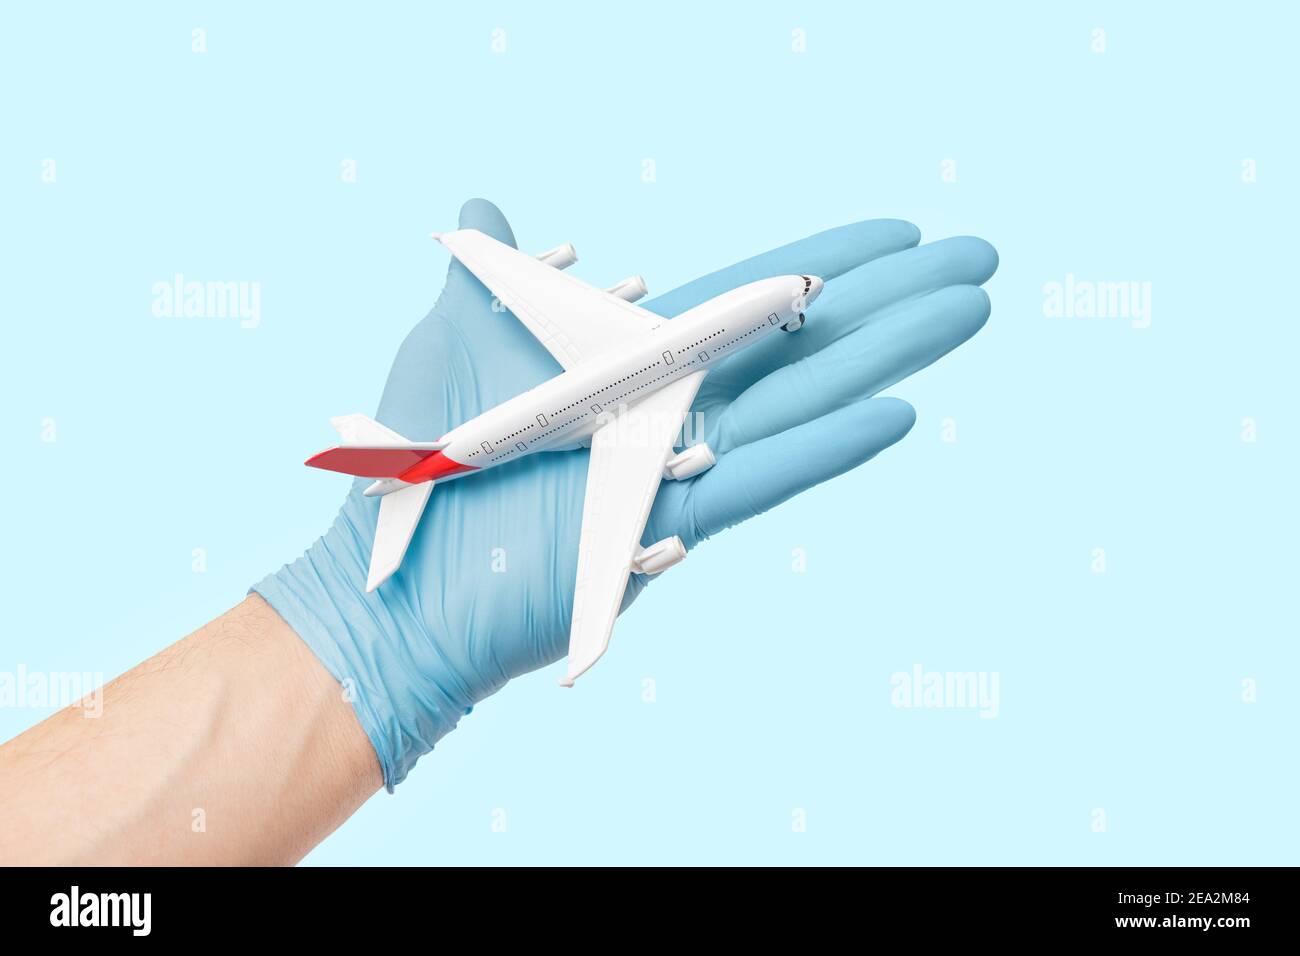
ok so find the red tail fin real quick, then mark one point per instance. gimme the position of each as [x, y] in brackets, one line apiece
[369, 462]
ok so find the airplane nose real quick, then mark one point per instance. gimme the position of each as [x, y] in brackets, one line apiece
[812, 287]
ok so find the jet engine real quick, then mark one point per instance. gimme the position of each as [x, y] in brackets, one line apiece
[689, 463]
[660, 556]
[631, 288]
[561, 257]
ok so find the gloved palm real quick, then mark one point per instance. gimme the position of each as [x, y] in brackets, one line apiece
[485, 592]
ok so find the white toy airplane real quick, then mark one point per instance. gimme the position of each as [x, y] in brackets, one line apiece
[629, 379]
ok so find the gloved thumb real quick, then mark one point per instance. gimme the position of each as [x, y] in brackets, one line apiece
[486, 218]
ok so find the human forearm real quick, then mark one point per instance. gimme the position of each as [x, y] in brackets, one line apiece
[232, 746]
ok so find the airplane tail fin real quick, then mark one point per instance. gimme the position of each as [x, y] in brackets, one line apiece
[370, 450]
[399, 514]
[370, 461]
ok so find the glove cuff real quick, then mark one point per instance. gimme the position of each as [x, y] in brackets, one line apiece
[374, 645]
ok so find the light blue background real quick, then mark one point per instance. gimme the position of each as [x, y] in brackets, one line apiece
[1120, 691]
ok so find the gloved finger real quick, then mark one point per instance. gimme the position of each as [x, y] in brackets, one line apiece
[757, 477]
[849, 302]
[900, 341]
[827, 254]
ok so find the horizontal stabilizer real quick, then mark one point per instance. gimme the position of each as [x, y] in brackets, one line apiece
[399, 513]
[362, 432]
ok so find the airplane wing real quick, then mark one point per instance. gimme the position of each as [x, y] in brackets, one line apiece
[627, 463]
[572, 319]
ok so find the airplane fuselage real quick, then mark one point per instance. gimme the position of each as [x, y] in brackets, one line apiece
[563, 411]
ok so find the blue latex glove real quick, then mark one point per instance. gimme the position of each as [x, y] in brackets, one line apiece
[792, 411]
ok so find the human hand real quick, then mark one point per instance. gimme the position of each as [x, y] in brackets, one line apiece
[485, 592]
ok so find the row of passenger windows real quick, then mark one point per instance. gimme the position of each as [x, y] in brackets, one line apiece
[668, 359]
